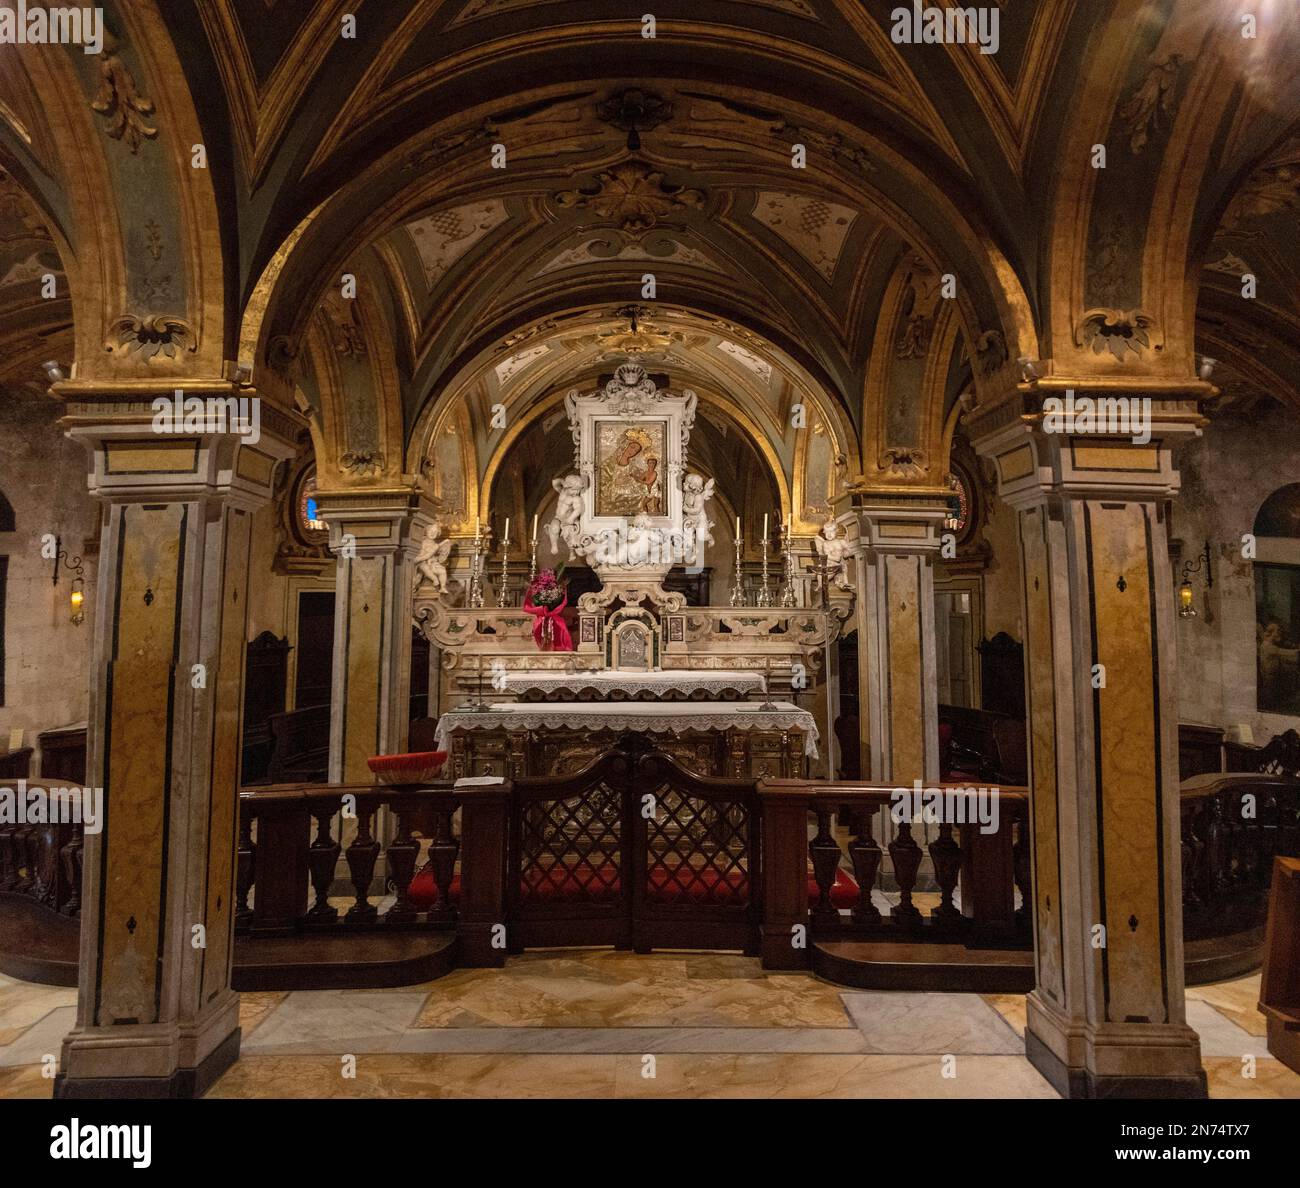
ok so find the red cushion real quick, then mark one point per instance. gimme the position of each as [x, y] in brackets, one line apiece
[844, 891]
[704, 886]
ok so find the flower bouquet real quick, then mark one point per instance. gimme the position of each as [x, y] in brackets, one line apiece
[545, 599]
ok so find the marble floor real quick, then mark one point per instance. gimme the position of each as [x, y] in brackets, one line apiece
[596, 1023]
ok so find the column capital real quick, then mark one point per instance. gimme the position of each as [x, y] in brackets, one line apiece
[160, 442]
[378, 520]
[897, 520]
[1114, 442]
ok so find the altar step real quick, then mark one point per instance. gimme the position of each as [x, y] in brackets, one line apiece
[38, 946]
[891, 965]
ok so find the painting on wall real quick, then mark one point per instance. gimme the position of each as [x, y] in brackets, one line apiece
[1280, 515]
[630, 459]
[1277, 615]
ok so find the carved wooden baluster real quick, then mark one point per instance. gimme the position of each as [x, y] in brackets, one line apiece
[1234, 839]
[402, 853]
[443, 851]
[70, 857]
[945, 853]
[1270, 818]
[8, 857]
[1249, 838]
[25, 839]
[906, 856]
[825, 853]
[244, 872]
[1022, 869]
[1209, 830]
[1190, 850]
[865, 853]
[322, 859]
[363, 853]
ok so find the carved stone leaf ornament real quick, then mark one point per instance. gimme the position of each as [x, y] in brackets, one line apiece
[150, 338]
[1119, 331]
[362, 462]
[632, 196]
[1152, 104]
[117, 99]
[902, 461]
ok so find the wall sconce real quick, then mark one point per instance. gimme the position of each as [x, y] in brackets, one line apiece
[77, 596]
[1185, 608]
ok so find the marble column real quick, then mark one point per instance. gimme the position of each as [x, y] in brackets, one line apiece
[1106, 1016]
[375, 535]
[896, 536]
[156, 1015]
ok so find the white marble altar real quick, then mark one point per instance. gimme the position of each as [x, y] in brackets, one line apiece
[632, 686]
[651, 717]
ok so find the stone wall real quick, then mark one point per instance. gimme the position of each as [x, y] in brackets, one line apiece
[1002, 577]
[1227, 474]
[43, 475]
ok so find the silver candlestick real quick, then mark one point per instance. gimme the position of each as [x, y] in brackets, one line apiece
[532, 562]
[505, 572]
[764, 597]
[738, 579]
[474, 599]
[788, 596]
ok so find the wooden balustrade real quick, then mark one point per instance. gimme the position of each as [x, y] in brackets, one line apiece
[1233, 826]
[720, 863]
[983, 869]
[43, 862]
[287, 867]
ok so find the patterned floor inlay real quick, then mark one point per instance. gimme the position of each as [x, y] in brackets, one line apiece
[600, 1024]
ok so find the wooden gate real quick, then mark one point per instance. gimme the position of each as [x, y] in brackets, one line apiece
[634, 852]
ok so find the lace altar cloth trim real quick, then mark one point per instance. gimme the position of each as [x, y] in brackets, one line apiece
[662, 717]
[631, 684]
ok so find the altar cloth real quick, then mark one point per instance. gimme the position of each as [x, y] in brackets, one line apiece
[655, 717]
[630, 686]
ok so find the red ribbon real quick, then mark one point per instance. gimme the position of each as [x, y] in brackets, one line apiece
[549, 632]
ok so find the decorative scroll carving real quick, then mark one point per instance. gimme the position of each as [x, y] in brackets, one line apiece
[919, 303]
[903, 461]
[148, 338]
[634, 111]
[117, 99]
[632, 196]
[990, 351]
[442, 147]
[1152, 105]
[362, 462]
[1118, 331]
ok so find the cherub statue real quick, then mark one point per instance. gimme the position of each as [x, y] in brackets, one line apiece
[568, 511]
[696, 492]
[836, 551]
[431, 561]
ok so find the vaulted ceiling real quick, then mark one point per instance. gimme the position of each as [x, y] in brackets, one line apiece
[499, 170]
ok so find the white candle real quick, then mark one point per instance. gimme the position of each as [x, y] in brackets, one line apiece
[476, 531]
[737, 527]
[534, 529]
[765, 525]
[505, 540]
